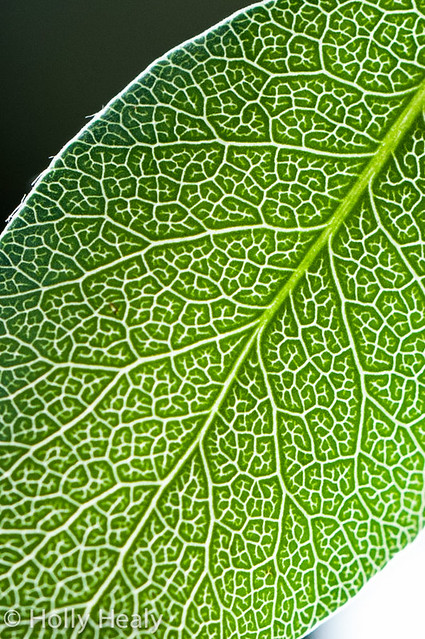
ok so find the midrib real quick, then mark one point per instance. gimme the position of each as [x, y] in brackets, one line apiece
[373, 168]
[388, 145]
[383, 153]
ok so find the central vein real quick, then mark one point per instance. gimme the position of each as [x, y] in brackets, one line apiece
[384, 151]
[382, 155]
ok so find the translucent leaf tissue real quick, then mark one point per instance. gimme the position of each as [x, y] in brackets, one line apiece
[212, 334]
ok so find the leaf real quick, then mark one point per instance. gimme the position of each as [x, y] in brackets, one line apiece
[213, 318]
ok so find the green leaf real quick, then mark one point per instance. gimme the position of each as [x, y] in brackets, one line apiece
[213, 331]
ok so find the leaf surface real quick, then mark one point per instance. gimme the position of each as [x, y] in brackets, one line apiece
[213, 330]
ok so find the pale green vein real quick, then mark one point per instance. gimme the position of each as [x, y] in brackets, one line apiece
[382, 155]
[388, 145]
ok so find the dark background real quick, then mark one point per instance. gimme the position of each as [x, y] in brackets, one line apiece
[63, 60]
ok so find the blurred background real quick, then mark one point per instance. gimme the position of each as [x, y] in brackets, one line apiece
[62, 60]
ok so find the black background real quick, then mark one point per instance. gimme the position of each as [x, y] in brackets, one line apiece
[62, 60]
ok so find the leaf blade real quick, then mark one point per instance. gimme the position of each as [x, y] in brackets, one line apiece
[154, 309]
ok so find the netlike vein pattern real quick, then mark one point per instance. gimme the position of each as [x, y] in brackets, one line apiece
[212, 330]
